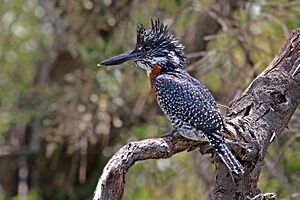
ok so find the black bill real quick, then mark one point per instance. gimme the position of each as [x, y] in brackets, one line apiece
[119, 59]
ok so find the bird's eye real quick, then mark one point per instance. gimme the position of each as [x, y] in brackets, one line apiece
[147, 48]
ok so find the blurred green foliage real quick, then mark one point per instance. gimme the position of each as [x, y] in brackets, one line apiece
[109, 107]
[172, 178]
[22, 38]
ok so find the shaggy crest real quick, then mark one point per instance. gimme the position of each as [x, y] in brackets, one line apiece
[157, 42]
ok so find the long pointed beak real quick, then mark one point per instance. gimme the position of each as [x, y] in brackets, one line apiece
[119, 59]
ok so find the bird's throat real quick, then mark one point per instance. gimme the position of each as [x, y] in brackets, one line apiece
[155, 70]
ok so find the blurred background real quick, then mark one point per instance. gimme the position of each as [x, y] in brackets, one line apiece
[62, 117]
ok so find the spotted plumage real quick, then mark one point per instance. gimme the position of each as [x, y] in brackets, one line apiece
[187, 103]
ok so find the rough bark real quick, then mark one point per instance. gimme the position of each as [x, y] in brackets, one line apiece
[262, 112]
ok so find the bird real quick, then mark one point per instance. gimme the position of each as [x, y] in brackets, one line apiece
[186, 101]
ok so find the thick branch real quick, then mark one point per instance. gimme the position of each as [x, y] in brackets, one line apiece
[111, 183]
[261, 113]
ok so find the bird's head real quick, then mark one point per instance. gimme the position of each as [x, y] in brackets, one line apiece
[154, 46]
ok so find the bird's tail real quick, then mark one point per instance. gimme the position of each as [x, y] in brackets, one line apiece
[228, 158]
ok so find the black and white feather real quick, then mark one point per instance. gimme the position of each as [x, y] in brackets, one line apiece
[193, 112]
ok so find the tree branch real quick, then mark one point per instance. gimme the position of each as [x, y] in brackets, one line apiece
[262, 112]
[111, 183]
